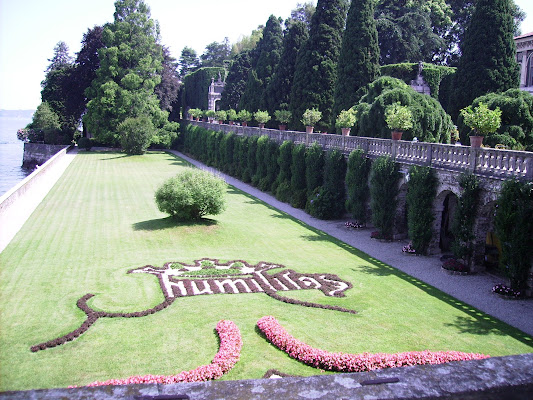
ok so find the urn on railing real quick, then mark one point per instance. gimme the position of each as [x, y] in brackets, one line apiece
[346, 120]
[482, 121]
[399, 119]
[309, 118]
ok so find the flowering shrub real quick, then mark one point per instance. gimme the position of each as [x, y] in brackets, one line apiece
[344, 362]
[228, 354]
[354, 225]
[505, 290]
[409, 249]
[453, 265]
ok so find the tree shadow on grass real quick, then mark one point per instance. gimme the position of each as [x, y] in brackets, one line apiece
[479, 325]
[169, 223]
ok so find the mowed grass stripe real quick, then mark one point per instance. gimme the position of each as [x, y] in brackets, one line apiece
[100, 220]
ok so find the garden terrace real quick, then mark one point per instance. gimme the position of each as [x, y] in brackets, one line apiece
[490, 163]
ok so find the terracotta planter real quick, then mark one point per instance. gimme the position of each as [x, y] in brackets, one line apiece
[309, 129]
[244, 123]
[346, 131]
[283, 127]
[231, 122]
[261, 126]
[396, 135]
[476, 141]
[220, 122]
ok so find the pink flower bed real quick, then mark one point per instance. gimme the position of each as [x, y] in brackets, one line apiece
[344, 362]
[228, 354]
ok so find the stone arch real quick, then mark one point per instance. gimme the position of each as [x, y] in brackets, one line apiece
[486, 245]
[400, 220]
[443, 208]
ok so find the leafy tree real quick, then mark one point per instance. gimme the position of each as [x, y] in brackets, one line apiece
[516, 129]
[303, 13]
[488, 60]
[359, 57]
[265, 58]
[167, 90]
[316, 68]
[130, 68]
[216, 54]
[236, 81]
[278, 91]
[45, 123]
[247, 43]
[188, 61]
[406, 29]
[61, 57]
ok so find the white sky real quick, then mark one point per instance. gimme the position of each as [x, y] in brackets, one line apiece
[30, 29]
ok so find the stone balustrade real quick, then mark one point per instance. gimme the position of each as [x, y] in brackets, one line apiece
[491, 163]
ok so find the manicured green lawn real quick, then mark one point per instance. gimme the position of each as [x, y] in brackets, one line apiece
[100, 221]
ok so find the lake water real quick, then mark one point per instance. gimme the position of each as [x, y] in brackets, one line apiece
[12, 149]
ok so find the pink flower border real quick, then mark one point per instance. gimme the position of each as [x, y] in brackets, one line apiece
[227, 356]
[344, 362]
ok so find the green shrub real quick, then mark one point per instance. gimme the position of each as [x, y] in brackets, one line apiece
[269, 183]
[261, 160]
[136, 134]
[514, 227]
[384, 177]
[465, 217]
[241, 155]
[85, 143]
[251, 162]
[357, 183]
[227, 145]
[298, 180]
[314, 164]
[421, 192]
[191, 195]
[321, 203]
[284, 167]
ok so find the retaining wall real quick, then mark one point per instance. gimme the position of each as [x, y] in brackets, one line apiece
[38, 153]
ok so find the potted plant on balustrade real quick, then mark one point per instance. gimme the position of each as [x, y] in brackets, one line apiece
[346, 120]
[210, 114]
[309, 118]
[244, 116]
[196, 113]
[262, 118]
[232, 116]
[221, 116]
[283, 117]
[482, 120]
[399, 119]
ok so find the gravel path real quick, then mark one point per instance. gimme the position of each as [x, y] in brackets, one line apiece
[474, 290]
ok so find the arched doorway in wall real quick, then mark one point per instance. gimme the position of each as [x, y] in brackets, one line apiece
[486, 231]
[449, 203]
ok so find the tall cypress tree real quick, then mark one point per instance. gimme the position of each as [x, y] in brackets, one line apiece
[359, 58]
[488, 61]
[278, 91]
[236, 81]
[316, 68]
[267, 55]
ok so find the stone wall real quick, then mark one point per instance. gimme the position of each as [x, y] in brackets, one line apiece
[38, 153]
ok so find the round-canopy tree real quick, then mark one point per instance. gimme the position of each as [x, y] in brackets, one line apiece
[191, 195]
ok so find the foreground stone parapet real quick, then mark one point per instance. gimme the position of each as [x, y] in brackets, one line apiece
[489, 379]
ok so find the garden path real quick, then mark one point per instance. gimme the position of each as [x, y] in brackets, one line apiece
[474, 290]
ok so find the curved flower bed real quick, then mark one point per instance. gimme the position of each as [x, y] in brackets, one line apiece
[344, 362]
[228, 354]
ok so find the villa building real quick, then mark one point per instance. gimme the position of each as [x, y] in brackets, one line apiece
[524, 56]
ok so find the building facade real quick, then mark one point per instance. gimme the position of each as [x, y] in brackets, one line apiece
[524, 56]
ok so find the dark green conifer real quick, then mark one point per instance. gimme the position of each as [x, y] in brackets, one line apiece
[359, 57]
[488, 61]
[316, 68]
[236, 81]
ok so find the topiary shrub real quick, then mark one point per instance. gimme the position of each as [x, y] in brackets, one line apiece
[85, 143]
[421, 192]
[430, 121]
[465, 217]
[136, 134]
[268, 182]
[260, 160]
[283, 180]
[327, 201]
[357, 183]
[298, 180]
[314, 164]
[514, 227]
[251, 162]
[384, 177]
[192, 194]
